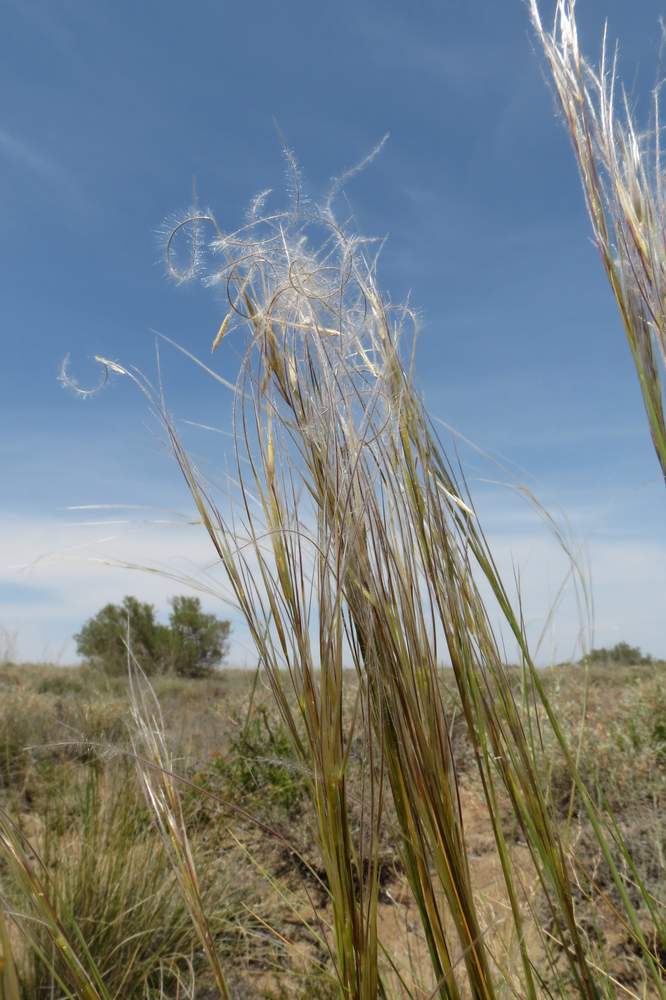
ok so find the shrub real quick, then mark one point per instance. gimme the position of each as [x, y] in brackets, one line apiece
[621, 652]
[191, 645]
[262, 763]
[198, 642]
[102, 639]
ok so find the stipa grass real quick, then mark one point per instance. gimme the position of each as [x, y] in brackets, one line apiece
[622, 171]
[352, 538]
[98, 907]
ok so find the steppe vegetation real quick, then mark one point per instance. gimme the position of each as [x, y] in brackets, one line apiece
[67, 779]
[354, 820]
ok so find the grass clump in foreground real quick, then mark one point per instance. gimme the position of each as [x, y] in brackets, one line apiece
[93, 901]
[359, 542]
[352, 540]
[112, 897]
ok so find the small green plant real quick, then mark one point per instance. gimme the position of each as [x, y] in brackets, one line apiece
[659, 739]
[261, 764]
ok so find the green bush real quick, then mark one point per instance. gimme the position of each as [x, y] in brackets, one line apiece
[191, 645]
[197, 642]
[260, 767]
[102, 640]
[621, 653]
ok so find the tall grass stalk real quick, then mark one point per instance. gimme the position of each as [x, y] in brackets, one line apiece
[306, 675]
[155, 770]
[352, 537]
[621, 170]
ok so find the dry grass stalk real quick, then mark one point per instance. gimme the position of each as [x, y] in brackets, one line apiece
[80, 972]
[351, 534]
[621, 171]
[9, 984]
[155, 770]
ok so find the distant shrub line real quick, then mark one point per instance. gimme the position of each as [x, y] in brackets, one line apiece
[621, 653]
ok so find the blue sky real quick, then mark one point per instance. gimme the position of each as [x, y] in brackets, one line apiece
[108, 110]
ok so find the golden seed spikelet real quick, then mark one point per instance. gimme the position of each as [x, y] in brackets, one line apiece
[224, 326]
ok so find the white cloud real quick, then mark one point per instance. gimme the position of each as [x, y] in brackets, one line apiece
[627, 583]
[68, 565]
[73, 567]
[41, 166]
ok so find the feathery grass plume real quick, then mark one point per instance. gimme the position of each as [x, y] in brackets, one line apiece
[352, 537]
[297, 558]
[621, 171]
[68, 381]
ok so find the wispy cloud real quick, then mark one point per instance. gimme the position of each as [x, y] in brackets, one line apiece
[64, 571]
[55, 574]
[466, 64]
[40, 166]
[44, 17]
